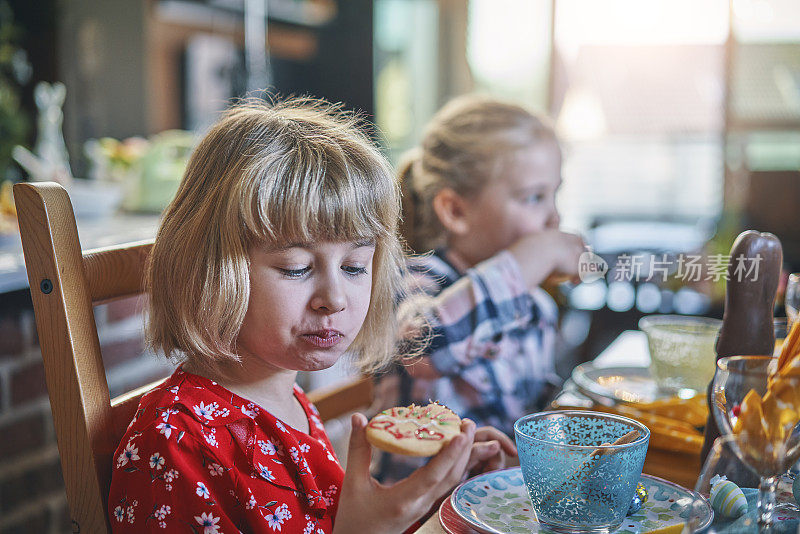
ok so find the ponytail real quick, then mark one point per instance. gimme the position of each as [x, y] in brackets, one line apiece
[411, 200]
[463, 147]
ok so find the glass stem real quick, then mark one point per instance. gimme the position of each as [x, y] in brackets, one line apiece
[767, 501]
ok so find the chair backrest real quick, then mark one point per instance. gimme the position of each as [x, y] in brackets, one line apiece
[65, 285]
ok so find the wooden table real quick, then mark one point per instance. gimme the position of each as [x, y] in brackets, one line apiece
[630, 348]
[431, 526]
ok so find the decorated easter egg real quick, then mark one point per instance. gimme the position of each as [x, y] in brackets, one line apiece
[639, 498]
[727, 498]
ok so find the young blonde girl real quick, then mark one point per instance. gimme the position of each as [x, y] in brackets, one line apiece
[479, 202]
[278, 254]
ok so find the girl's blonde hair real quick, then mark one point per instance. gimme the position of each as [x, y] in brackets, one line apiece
[464, 147]
[300, 170]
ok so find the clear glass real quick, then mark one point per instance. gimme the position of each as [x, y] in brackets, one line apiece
[692, 523]
[577, 479]
[792, 302]
[721, 460]
[681, 350]
[758, 410]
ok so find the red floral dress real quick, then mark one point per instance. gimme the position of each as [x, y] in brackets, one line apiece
[198, 458]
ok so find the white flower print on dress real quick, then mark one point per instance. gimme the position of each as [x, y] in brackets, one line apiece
[130, 453]
[251, 503]
[206, 410]
[317, 422]
[327, 451]
[165, 428]
[202, 491]
[156, 461]
[277, 519]
[267, 447]
[130, 512]
[274, 521]
[217, 467]
[169, 476]
[329, 494]
[304, 465]
[211, 437]
[311, 526]
[251, 410]
[265, 473]
[162, 512]
[208, 522]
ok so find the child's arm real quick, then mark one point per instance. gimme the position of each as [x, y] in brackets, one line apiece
[365, 505]
[551, 252]
[468, 319]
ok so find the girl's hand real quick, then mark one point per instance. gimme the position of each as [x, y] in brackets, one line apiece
[489, 450]
[365, 505]
[551, 252]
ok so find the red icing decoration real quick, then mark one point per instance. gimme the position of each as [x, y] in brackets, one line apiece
[415, 413]
[428, 434]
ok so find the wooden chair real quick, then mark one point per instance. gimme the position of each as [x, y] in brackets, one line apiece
[65, 285]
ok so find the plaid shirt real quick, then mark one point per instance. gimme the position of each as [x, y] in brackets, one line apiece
[492, 341]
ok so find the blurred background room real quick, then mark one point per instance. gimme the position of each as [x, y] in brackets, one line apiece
[680, 122]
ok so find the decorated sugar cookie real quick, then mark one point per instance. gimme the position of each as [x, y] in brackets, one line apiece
[414, 430]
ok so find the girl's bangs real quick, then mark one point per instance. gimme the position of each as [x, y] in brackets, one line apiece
[324, 204]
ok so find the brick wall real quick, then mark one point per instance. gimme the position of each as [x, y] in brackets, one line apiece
[32, 495]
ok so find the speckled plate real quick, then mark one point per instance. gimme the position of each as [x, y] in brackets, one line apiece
[498, 503]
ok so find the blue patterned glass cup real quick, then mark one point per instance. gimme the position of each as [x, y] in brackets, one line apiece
[577, 480]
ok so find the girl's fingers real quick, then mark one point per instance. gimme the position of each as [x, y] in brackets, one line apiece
[483, 452]
[424, 481]
[459, 468]
[488, 433]
[496, 462]
[359, 453]
[487, 459]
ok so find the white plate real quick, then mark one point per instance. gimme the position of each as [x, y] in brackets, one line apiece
[618, 384]
[498, 503]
